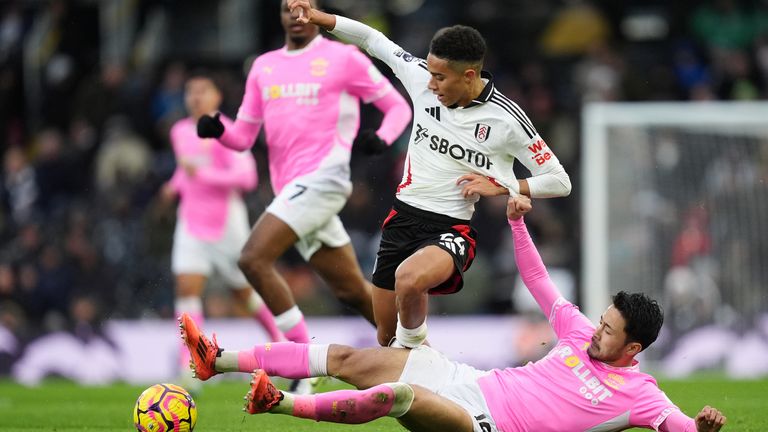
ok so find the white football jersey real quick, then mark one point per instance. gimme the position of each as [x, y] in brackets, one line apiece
[484, 137]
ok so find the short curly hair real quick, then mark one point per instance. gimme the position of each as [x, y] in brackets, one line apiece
[643, 317]
[458, 43]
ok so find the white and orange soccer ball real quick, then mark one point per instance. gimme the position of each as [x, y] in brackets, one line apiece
[165, 408]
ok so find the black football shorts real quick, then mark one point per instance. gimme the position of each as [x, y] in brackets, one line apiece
[408, 229]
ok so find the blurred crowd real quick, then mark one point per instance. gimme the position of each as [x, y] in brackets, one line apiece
[83, 236]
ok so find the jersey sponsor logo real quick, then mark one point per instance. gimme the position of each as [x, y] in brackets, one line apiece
[318, 67]
[303, 93]
[540, 152]
[456, 151]
[421, 134]
[434, 112]
[454, 243]
[482, 131]
[594, 390]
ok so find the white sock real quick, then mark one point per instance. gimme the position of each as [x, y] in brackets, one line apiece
[189, 304]
[318, 360]
[226, 362]
[255, 302]
[288, 319]
[411, 338]
[403, 399]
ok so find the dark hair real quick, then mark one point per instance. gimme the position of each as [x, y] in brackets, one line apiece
[458, 43]
[203, 73]
[643, 317]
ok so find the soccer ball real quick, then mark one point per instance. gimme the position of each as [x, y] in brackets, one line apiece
[165, 408]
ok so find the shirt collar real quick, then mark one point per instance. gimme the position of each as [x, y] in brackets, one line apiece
[301, 51]
[485, 95]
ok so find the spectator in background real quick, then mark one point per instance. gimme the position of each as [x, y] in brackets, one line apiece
[168, 101]
[124, 157]
[58, 172]
[722, 25]
[102, 96]
[20, 188]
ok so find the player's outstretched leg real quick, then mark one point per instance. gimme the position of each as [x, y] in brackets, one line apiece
[285, 359]
[343, 406]
[202, 351]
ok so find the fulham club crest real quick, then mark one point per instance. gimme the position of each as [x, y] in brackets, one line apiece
[482, 131]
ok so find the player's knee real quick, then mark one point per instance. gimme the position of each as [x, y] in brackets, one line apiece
[344, 358]
[409, 281]
[253, 262]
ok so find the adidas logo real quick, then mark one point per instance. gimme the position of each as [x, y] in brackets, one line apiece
[434, 112]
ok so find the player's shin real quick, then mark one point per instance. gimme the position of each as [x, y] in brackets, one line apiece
[284, 359]
[349, 406]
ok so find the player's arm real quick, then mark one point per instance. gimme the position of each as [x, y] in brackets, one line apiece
[366, 82]
[410, 70]
[241, 134]
[238, 170]
[707, 420]
[238, 136]
[548, 177]
[529, 263]
[397, 115]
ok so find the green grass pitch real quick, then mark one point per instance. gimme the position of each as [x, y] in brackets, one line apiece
[62, 406]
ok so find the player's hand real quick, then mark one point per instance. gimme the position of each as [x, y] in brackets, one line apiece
[301, 10]
[210, 127]
[370, 142]
[476, 184]
[517, 206]
[709, 420]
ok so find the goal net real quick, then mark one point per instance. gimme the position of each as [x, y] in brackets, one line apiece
[675, 204]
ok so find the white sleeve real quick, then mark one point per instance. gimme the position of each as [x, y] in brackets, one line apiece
[410, 70]
[548, 177]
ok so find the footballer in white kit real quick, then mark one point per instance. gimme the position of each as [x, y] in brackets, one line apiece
[465, 138]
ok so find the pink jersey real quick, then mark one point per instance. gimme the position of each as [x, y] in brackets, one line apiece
[221, 174]
[308, 101]
[567, 390]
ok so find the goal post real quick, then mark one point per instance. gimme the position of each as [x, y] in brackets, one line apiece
[651, 169]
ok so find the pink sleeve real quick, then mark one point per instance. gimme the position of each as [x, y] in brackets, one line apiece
[250, 108]
[363, 79]
[397, 115]
[563, 315]
[532, 270]
[678, 422]
[654, 410]
[240, 135]
[240, 173]
[238, 169]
